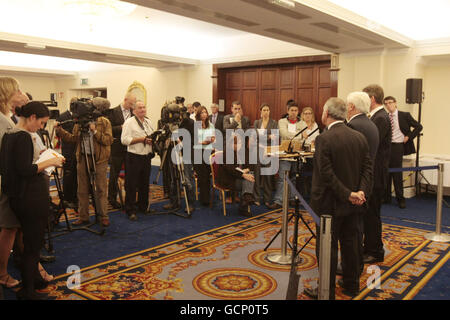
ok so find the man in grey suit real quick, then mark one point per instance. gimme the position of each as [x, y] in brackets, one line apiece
[236, 120]
[216, 118]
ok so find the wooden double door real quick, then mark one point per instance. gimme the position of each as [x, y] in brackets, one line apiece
[309, 84]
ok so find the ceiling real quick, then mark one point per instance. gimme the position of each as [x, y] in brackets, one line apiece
[309, 23]
[168, 33]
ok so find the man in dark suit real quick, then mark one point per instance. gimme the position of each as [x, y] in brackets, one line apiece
[235, 120]
[117, 117]
[342, 179]
[358, 106]
[70, 182]
[216, 118]
[373, 243]
[402, 144]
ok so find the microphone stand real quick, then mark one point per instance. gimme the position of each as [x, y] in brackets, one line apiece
[289, 149]
[309, 135]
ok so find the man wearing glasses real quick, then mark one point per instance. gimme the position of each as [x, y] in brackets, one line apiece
[402, 144]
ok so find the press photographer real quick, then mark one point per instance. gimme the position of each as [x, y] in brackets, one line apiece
[136, 136]
[92, 134]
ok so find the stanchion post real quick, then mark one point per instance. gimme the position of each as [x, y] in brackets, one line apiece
[437, 236]
[325, 257]
[283, 257]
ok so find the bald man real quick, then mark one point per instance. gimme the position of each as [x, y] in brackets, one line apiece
[117, 117]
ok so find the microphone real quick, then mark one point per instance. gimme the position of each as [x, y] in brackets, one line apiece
[289, 149]
[66, 121]
[309, 135]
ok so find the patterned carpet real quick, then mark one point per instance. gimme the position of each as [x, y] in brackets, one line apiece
[230, 263]
[156, 194]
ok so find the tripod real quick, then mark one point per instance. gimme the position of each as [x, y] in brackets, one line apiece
[297, 215]
[87, 152]
[176, 173]
[61, 208]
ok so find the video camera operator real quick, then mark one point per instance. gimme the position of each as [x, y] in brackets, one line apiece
[68, 150]
[184, 122]
[91, 126]
[174, 117]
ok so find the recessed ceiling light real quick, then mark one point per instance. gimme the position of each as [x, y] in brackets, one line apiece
[35, 46]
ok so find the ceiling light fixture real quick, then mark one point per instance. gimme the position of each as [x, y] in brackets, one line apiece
[35, 46]
[284, 3]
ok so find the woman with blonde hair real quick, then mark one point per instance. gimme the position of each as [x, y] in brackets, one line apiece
[308, 117]
[10, 95]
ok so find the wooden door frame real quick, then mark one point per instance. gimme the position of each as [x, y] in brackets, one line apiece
[219, 69]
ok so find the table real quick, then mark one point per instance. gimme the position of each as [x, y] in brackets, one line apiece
[431, 176]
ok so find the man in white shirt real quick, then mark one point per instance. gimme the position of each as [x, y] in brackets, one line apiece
[136, 136]
[402, 144]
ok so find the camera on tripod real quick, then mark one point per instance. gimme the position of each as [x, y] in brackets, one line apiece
[84, 112]
[172, 115]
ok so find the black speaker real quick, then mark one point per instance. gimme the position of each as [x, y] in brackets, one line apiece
[413, 91]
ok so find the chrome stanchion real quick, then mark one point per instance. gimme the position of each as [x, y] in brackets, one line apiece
[325, 257]
[283, 257]
[438, 236]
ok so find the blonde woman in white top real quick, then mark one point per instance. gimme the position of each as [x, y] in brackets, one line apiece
[308, 117]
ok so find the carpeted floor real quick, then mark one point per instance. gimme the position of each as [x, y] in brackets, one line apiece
[128, 262]
[230, 263]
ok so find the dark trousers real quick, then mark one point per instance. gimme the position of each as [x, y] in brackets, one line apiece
[137, 179]
[373, 244]
[266, 182]
[70, 181]
[344, 230]
[32, 212]
[396, 161]
[204, 181]
[117, 160]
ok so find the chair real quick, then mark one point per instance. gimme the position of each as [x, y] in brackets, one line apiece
[121, 186]
[214, 161]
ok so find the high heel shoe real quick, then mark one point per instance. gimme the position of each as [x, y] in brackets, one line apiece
[47, 277]
[8, 282]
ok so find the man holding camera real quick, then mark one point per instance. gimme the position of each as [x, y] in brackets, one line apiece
[117, 117]
[100, 133]
[136, 136]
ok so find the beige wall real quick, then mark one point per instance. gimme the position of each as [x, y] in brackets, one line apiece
[390, 70]
[436, 110]
[39, 87]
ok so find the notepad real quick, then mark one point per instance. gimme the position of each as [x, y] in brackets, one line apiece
[46, 155]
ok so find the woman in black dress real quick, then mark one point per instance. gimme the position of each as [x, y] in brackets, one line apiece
[28, 191]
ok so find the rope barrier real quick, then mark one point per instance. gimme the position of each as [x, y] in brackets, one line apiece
[413, 168]
[304, 203]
